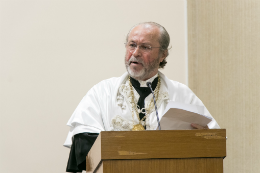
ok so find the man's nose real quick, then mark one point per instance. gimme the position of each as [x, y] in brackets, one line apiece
[136, 52]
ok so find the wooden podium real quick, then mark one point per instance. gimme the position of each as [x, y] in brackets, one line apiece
[164, 151]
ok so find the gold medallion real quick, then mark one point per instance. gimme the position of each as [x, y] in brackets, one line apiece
[138, 127]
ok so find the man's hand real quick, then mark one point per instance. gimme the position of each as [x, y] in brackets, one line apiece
[196, 126]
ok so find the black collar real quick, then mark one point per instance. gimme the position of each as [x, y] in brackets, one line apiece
[136, 84]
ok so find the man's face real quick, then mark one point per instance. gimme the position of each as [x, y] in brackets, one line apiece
[141, 64]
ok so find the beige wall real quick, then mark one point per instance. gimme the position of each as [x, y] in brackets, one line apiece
[51, 53]
[224, 71]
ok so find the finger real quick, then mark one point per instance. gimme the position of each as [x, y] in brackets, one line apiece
[196, 126]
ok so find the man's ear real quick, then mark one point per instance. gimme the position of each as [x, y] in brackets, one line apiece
[164, 55]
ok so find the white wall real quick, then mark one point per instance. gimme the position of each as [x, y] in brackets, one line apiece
[52, 53]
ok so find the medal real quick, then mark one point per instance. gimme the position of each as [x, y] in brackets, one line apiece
[138, 127]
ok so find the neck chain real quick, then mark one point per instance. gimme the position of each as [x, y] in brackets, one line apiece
[140, 126]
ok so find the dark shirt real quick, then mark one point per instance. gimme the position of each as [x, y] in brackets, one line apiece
[143, 92]
[80, 147]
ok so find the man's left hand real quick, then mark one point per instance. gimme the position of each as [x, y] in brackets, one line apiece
[196, 126]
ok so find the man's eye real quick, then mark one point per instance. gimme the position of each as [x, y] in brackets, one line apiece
[145, 47]
[132, 45]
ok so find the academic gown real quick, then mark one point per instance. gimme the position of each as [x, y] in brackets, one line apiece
[106, 107]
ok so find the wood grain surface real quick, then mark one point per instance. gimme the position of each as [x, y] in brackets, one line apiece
[202, 165]
[163, 144]
[158, 151]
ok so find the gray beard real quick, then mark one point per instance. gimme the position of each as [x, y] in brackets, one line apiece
[147, 70]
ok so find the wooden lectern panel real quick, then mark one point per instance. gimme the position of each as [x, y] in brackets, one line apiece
[196, 165]
[175, 150]
[163, 144]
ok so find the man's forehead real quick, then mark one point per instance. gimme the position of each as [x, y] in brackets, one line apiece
[144, 33]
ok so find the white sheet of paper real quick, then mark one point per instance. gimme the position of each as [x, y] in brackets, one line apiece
[179, 116]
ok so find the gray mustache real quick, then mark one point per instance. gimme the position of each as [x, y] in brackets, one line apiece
[134, 59]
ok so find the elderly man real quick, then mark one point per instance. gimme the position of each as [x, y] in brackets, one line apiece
[126, 103]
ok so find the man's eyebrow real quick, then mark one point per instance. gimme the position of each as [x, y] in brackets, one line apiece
[141, 43]
[147, 43]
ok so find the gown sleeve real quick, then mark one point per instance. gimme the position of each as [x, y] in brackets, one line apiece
[81, 145]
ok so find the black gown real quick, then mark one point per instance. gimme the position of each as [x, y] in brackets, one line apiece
[82, 142]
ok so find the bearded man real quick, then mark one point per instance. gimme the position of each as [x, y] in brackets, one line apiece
[125, 103]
